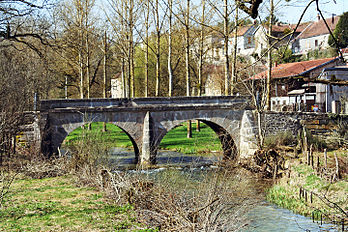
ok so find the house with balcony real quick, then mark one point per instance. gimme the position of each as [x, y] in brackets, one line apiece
[294, 86]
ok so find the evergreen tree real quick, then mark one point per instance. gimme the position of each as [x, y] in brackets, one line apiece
[340, 32]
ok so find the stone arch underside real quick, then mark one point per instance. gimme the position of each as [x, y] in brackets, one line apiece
[228, 145]
[226, 124]
[56, 130]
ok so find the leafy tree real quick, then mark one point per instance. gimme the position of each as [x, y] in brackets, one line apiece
[284, 55]
[340, 32]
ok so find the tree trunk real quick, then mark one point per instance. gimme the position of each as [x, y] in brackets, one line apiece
[131, 49]
[201, 47]
[123, 76]
[188, 77]
[226, 38]
[104, 73]
[104, 67]
[88, 77]
[234, 59]
[80, 49]
[158, 51]
[146, 92]
[187, 54]
[269, 58]
[170, 70]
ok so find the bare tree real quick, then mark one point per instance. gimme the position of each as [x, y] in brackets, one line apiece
[269, 57]
[234, 58]
[147, 26]
[170, 69]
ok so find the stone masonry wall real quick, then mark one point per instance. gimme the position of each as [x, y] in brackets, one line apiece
[321, 124]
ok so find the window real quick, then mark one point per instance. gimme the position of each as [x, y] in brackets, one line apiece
[316, 43]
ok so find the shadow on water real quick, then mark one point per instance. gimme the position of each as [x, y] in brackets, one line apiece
[121, 158]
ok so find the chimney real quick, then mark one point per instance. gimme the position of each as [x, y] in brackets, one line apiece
[333, 18]
[318, 17]
[275, 64]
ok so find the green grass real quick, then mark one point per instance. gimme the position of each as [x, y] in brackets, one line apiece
[56, 204]
[203, 142]
[113, 137]
[286, 192]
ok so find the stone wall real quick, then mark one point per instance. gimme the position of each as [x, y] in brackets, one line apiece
[321, 124]
[29, 131]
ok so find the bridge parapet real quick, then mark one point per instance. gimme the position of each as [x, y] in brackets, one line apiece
[147, 103]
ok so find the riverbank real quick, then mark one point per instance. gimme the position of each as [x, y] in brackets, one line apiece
[313, 191]
[58, 204]
[129, 201]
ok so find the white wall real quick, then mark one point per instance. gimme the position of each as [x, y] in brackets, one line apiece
[305, 45]
[328, 93]
[116, 88]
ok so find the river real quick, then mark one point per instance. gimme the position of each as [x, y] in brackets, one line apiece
[265, 217]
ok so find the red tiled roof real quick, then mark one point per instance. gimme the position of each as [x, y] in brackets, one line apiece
[284, 27]
[319, 28]
[292, 69]
[242, 30]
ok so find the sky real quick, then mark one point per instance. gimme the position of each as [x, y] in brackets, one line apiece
[290, 12]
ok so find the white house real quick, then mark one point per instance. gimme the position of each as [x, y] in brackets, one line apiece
[315, 36]
[329, 95]
[279, 30]
[245, 40]
[116, 88]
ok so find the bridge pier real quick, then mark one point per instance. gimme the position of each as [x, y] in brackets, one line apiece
[148, 153]
[248, 139]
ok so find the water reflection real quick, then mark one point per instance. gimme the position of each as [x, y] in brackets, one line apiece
[267, 217]
[121, 158]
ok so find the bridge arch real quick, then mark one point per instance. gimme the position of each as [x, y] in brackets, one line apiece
[227, 140]
[60, 133]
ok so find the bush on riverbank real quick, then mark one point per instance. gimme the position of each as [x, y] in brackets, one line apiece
[329, 198]
[177, 200]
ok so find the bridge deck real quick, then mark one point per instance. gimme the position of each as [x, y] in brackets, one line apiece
[160, 103]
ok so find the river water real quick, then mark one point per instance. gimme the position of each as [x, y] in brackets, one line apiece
[265, 217]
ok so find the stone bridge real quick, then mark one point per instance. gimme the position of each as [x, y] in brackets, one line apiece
[147, 120]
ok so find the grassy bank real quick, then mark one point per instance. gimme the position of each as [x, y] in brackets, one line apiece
[56, 204]
[327, 195]
[203, 142]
